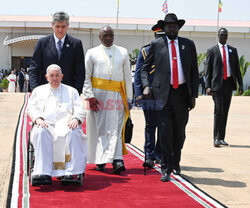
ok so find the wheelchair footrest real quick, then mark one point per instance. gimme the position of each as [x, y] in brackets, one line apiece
[35, 182]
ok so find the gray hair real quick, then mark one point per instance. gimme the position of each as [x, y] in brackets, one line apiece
[60, 17]
[52, 66]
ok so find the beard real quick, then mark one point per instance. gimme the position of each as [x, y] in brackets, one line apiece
[172, 36]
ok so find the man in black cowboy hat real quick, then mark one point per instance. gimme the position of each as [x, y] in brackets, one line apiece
[175, 85]
[151, 148]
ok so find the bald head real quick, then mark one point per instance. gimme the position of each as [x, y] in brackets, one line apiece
[106, 36]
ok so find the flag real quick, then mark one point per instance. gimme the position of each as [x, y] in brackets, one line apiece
[165, 7]
[117, 5]
[220, 5]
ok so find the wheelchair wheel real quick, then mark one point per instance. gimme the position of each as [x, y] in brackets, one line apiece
[30, 157]
[28, 161]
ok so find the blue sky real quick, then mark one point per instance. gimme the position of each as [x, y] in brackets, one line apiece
[185, 9]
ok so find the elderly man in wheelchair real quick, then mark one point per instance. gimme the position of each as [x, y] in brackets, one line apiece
[60, 146]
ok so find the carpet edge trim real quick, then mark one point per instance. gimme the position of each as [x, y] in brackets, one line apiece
[13, 168]
[203, 195]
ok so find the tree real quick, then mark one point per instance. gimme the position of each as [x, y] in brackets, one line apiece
[133, 56]
[200, 58]
[243, 65]
[243, 69]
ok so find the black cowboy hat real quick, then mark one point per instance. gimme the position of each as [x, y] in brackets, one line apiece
[171, 18]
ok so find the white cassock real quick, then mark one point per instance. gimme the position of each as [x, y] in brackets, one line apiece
[104, 128]
[58, 150]
[26, 83]
[12, 83]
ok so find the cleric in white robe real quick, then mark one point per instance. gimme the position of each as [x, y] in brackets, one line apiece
[59, 142]
[12, 82]
[107, 87]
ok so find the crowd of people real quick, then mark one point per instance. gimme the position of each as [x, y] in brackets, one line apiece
[166, 83]
[18, 80]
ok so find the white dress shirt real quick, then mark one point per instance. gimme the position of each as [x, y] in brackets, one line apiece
[56, 41]
[181, 77]
[227, 58]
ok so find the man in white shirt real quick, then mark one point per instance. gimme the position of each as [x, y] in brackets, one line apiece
[174, 88]
[222, 75]
[61, 49]
[107, 87]
[59, 142]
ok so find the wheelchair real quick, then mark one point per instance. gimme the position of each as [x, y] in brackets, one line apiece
[75, 179]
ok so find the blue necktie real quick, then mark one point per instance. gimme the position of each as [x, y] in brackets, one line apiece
[59, 44]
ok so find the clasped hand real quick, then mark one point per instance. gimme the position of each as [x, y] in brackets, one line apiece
[146, 93]
[72, 124]
[93, 104]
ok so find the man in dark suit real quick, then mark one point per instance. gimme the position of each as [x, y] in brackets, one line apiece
[151, 148]
[21, 80]
[61, 49]
[175, 85]
[222, 72]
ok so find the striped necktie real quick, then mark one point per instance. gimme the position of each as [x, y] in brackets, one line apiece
[59, 48]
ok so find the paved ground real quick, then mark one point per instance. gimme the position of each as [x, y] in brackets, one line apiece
[223, 172]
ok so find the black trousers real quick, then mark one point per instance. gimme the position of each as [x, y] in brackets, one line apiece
[222, 101]
[172, 120]
[151, 147]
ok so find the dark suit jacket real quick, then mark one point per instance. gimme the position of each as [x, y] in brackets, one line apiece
[137, 77]
[20, 78]
[214, 68]
[159, 55]
[71, 61]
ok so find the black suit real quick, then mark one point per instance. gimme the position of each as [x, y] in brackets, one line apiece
[21, 80]
[71, 61]
[173, 103]
[222, 89]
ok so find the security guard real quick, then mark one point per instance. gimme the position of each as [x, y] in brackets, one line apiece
[152, 150]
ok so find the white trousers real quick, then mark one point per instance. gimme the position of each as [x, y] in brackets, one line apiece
[42, 141]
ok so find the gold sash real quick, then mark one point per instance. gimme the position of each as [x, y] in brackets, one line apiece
[117, 86]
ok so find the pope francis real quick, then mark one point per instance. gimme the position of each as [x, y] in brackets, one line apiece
[59, 142]
[107, 87]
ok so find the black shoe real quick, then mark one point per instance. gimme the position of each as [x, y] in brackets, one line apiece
[216, 143]
[100, 167]
[67, 177]
[148, 163]
[118, 166]
[41, 180]
[165, 177]
[67, 180]
[177, 170]
[222, 142]
[42, 177]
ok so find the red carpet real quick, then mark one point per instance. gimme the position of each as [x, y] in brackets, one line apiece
[130, 189]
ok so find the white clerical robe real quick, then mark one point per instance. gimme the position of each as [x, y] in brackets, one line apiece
[12, 83]
[58, 150]
[26, 83]
[104, 128]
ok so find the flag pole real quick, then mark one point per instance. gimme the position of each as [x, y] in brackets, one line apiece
[117, 14]
[218, 17]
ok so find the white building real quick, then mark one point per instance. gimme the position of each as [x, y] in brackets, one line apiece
[18, 35]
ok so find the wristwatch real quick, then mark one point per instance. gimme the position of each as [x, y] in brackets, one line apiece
[79, 121]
